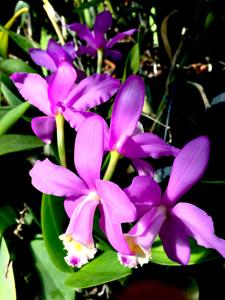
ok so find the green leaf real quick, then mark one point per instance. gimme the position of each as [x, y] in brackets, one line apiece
[104, 268]
[7, 218]
[4, 110]
[12, 116]
[10, 143]
[53, 286]
[10, 66]
[10, 97]
[132, 62]
[7, 281]
[198, 254]
[52, 223]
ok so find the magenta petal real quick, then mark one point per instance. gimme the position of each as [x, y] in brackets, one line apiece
[92, 91]
[148, 227]
[86, 50]
[119, 37]
[188, 168]
[114, 54]
[113, 231]
[44, 128]
[42, 58]
[89, 149]
[70, 49]
[199, 226]
[126, 111]
[61, 83]
[144, 192]
[116, 202]
[34, 89]
[56, 180]
[76, 118]
[81, 221]
[103, 22]
[147, 144]
[83, 32]
[58, 52]
[142, 167]
[175, 240]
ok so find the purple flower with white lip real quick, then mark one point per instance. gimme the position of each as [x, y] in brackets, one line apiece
[60, 94]
[159, 214]
[83, 194]
[123, 135]
[53, 55]
[96, 39]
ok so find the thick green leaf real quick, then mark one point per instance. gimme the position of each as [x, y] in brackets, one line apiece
[10, 97]
[12, 116]
[10, 66]
[10, 143]
[7, 218]
[132, 62]
[4, 110]
[104, 268]
[52, 223]
[53, 286]
[7, 281]
[198, 255]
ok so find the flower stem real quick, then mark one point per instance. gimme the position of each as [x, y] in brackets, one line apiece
[99, 61]
[60, 139]
[114, 158]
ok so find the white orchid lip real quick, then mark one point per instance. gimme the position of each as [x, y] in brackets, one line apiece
[77, 254]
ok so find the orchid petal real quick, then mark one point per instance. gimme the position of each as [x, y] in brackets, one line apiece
[113, 231]
[76, 118]
[147, 144]
[116, 202]
[81, 221]
[114, 54]
[83, 32]
[70, 49]
[89, 149]
[142, 167]
[86, 50]
[44, 128]
[61, 83]
[126, 111]
[188, 167]
[57, 52]
[119, 37]
[175, 240]
[42, 58]
[199, 226]
[56, 180]
[70, 204]
[144, 192]
[148, 227]
[92, 91]
[34, 89]
[103, 22]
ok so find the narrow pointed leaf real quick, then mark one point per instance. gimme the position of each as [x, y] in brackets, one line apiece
[10, 66]
[7, 218]
[10, 97]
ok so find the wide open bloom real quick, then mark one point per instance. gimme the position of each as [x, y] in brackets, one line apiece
[124, 137]
[83, 194]
[95, 39]
[53, 55]
[61, 95]
[159, 214]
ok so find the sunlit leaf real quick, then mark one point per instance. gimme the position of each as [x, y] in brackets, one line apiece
[53, 224]
[198, 254]
[104, 268]
[218, 99]
[10, 143]
[9, 96]
[7, 218]
[7, 281]
[52, 279]
[12, 116]
[10, 66]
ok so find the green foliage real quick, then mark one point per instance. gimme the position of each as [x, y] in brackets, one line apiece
[10, 66]
[7, 218]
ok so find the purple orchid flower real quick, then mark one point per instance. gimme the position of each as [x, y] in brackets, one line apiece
[159, 214]
[124, 137]
[83, 194]
[62, 95]
[53, 55]
[95, 39]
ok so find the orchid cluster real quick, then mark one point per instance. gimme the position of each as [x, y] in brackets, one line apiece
[66, 94]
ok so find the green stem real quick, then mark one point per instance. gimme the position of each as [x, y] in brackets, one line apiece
[114, 158]
[60, 139]
[99, 61]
